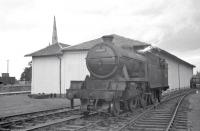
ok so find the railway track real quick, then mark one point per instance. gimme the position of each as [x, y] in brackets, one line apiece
[21, 121]
[68, 120]
[166, 116]
[179, 121]
[14, 93]
[97, 122]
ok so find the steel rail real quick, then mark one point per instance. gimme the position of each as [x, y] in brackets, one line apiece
[34, 117]
[52, 123]
[99, 121]
[176, 111]
[60, 121]
[147, 111]
[27, 117]
[14, 93]
[34, 112]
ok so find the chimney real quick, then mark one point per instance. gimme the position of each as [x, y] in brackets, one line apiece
[107, 38]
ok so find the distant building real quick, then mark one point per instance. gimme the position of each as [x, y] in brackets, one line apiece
[55, 66]
[6, 79]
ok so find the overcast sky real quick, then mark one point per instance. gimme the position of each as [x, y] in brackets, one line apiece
[26, 25]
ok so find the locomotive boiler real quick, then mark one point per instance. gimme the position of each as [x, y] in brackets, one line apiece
[121, 78]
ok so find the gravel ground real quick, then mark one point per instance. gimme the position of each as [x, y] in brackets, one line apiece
[194, 114]
[15, 104]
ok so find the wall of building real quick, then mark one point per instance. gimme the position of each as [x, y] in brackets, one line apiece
[179, 74]
[73, 67]
[186, 73]
[45, 75]
[45, 72]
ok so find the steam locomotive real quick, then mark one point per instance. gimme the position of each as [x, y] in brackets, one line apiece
[121, 78]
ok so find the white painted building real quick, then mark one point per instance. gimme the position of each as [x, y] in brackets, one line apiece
[47, 66]
[54, 66]
[74, 67]
[46, 69]
[179, 71]
[46, 77]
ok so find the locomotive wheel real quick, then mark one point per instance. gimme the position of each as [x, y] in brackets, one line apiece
[115, 108]
[132, 104]
[151, 99]
[86, 113]
[125, 106]
[143, 102]
[84, 104]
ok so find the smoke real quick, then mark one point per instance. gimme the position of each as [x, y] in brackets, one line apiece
[149, 48]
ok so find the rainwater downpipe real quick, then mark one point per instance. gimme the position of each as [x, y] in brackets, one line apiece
[60, 60]
[179, 76]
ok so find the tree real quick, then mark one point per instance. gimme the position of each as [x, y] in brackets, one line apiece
[198, 74]
[27, 73]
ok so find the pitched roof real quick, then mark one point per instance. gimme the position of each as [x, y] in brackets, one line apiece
[176, 58]
[54, 49]
[118, 40]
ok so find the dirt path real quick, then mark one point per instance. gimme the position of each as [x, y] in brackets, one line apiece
[15, 104]
[194, 114]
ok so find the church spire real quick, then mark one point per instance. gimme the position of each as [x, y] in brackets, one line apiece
[54, 35]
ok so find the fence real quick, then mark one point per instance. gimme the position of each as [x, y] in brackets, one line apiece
[14, 88]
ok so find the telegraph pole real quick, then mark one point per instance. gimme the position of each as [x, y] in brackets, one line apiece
[7, 66]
